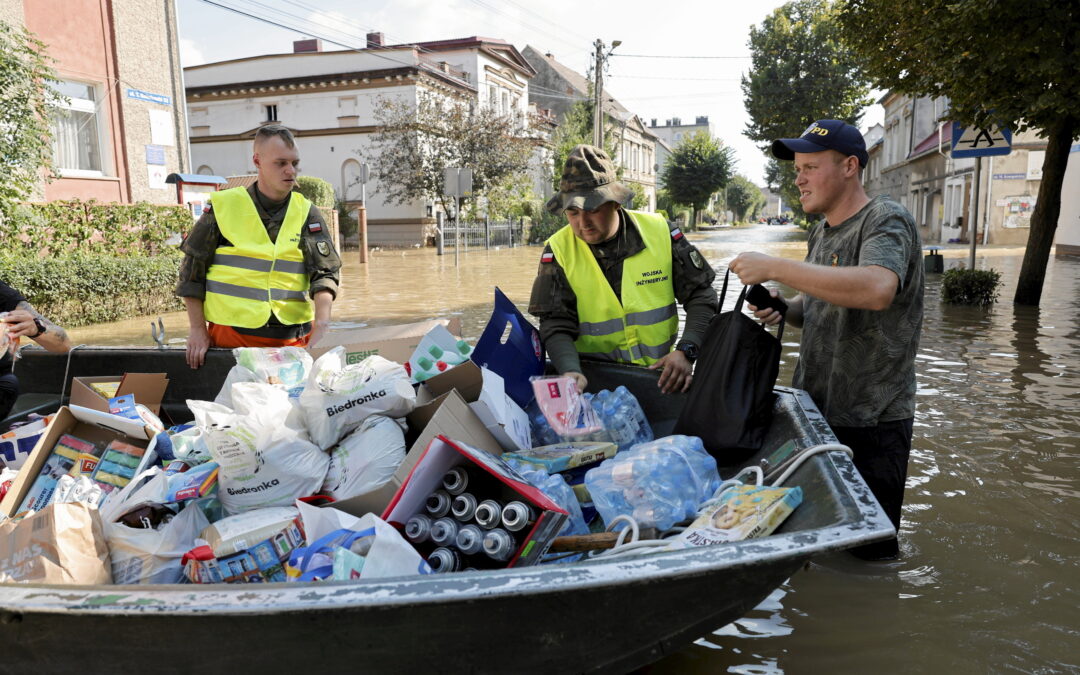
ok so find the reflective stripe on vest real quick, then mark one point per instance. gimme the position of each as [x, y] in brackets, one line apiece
[255, 276]
[642, 329]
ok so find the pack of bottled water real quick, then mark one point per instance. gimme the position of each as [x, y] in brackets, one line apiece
[658, 483]
[622, 417]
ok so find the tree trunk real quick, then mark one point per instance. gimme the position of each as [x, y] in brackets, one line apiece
[1047, 210]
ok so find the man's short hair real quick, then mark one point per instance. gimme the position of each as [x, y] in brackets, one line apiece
[274, 130]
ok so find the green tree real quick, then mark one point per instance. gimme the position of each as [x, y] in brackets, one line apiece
[1010, 63]
[576, 128]
[699, 166]
[416, 140]
[801, 71]
[28, 104]
[744, 198]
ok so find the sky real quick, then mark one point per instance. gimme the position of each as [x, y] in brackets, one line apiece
[641, 75]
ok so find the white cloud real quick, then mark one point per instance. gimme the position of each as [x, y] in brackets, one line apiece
[190, 54]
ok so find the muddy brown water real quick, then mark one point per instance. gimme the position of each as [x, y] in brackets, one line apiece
[989, 580]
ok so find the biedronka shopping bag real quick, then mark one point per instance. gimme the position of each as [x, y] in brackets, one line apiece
[60, 544]
[730, 402]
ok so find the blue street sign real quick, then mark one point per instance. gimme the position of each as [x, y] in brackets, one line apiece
[149, 97]
[979, 141]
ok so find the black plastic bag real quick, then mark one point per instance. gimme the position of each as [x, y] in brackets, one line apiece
[730, 402]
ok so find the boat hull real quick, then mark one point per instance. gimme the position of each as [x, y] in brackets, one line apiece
[597, 616]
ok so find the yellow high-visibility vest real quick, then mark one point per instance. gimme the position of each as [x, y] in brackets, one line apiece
[255, 276]
[641, 329]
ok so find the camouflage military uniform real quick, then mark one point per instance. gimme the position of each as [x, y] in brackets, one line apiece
[320, 257]
[554, 301]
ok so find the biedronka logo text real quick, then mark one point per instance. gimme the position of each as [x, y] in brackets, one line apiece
[356, 402]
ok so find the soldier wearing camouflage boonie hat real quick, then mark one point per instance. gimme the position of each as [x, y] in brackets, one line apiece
[588, 182]
[610, 281]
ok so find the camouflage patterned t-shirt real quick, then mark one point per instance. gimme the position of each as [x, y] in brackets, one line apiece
[859, 365]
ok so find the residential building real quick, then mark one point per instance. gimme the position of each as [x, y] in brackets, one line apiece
[913, 165]
[1067, 239]
[328, 99]
[671, 133]
[557, 87]
[122, 129]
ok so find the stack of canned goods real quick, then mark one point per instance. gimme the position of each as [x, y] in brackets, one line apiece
[463, 529]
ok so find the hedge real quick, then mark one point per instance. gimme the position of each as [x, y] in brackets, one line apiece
[73, 227]
[960, 286]
[317, 190]
[88, 289]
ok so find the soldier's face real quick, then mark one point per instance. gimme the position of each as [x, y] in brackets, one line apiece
[595, 226]
[278, 165]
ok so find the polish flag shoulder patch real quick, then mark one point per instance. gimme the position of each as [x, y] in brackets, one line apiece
[548, 257]
[314, 226]
[676, 234]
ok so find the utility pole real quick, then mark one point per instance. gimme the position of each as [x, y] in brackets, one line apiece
[598, 97]
[598, 93]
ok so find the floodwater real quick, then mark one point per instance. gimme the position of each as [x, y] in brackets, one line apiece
[988, 580]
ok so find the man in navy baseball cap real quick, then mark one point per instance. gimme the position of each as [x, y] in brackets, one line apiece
[824, 135]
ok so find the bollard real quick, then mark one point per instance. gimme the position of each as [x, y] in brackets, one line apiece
[933, 263]
[487, 231]
[439, 222]
[363, 234]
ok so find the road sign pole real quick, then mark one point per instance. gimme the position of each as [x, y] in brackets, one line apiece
[974, 229]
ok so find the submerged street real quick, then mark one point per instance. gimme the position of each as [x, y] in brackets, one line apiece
[986, 582]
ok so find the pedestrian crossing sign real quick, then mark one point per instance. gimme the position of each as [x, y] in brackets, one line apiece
[980, 141]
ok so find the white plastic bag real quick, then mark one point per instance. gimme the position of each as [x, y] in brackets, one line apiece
[287, 366]
[386, 553]
[338, 397]
[147, 556]
[263, 462]
[366, 459]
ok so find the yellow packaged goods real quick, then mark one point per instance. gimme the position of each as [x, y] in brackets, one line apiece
[743, 512]
[106, 389]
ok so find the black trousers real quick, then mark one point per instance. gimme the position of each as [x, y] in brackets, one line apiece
[881, 456]
[9, 391]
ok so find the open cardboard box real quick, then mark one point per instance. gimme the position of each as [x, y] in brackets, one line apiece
[447, 415]
[396, 343]
[148, 388]
[85, 423]
[483, 390]
[441, 455]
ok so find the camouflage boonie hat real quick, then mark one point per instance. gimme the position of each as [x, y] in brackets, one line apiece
[588, 181]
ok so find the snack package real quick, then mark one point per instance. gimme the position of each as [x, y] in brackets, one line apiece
[743, 512]
[568, 413]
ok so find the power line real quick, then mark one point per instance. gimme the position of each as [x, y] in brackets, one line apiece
[688, 79]
[672, 56]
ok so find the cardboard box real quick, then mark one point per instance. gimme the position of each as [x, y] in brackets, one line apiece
[483, 390]
[441, 455]
[396, 343]
[448, 415]
[148, 389]
[91, 425]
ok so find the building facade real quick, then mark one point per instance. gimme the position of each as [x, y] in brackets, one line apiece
[557, 87]
[122, 129]
[328, 99]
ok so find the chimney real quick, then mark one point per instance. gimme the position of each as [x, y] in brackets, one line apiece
[444, 66]
[549, 55]
[676, 122]
[653, 122]
[374, 40]
[702, 120]
[306, 46]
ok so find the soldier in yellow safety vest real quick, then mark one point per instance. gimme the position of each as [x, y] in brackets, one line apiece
[609, 281]
[254, 259]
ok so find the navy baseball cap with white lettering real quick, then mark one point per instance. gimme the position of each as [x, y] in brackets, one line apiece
[824, 135]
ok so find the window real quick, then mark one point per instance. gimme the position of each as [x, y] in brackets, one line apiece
[76, 130]
[271, 113]
[493, 97]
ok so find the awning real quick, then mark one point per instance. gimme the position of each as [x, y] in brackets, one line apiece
[931, 141]
[194, 178]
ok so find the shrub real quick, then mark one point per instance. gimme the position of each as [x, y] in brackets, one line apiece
[87, 289]
[544, 226]
[318, 191]
[960, 286]
[69, 227]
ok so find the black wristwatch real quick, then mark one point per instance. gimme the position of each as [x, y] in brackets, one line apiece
[41, 328]
[688, 348]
